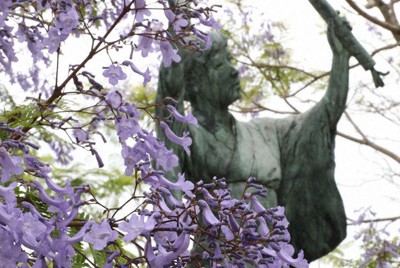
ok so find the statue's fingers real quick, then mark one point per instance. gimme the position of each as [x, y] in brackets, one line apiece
[345, 22]
[332, 39]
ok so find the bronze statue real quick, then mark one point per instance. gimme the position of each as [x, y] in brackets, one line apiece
[293, 157]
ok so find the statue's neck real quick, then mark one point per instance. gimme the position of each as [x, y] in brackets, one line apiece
[212, 118]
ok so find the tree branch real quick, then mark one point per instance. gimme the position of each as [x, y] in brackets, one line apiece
[371, 144]
[274, 66]
[395, 29]
[374, 220]
[58, 90]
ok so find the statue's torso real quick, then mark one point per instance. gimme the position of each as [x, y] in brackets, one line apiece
[250, 150]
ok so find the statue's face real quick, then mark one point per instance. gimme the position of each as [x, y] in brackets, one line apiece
[224, 78]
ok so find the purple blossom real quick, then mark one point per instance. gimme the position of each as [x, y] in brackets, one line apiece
[54, 40]
[80, 135]
[169, 197]
[185, 141]
[227, 232]
[114, 99]
[149, 144]
[146, 75]
[257, 206]
[180, 184]
[210, 21]
[137, 226]
[263, 227]
[217, 252]
[34, 40]
[179, 23]
[165, 158]
[169, 54]
[285, 254]
[208, 216]
[33, 164]
[126, 127]
[145, 44]
[167, 235]
[23, 81]
[11, 253]
[176, 20]
[33, 233]
[67, 21]
[189, 119]
[206, 38]
[165, 257]
[132, 156]
[9, 212]
[10, 165]
[7, 47]
[58, 204]
[140, 10]
[163, 207]
[233, 223]
[8, 194]
[62, 151]
[110, 258]
[114, 74]
[282, 222]
[168, 13]
[100, 235]
[66, 190]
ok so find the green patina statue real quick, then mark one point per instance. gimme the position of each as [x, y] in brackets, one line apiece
[293, 157]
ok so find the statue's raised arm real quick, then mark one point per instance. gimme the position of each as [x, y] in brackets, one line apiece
[293, 157]
[307, 141]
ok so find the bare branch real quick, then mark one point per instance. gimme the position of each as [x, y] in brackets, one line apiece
[371, 144]
[259, 107]
[353, 222]
[395, 29]
[376, 51]
[355, 126]
[273, 66]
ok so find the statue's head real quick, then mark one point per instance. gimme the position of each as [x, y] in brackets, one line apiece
[203, 76]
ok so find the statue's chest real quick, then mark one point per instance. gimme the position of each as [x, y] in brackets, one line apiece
[257, 154]
[212, 153]
[252, 150]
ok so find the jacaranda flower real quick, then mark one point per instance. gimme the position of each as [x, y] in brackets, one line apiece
[114, 74]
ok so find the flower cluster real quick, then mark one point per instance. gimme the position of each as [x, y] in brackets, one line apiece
[27, 233]
[51, 23]
[227, 232]
[379, 249]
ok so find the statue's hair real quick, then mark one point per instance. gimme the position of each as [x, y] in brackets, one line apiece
[181, 76]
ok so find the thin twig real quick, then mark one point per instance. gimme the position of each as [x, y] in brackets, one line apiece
[371, 144]
[388, 26]
[353, 222]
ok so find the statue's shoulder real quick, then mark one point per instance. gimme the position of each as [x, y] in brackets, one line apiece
[289, 127]
[279, 125]
[311, 118]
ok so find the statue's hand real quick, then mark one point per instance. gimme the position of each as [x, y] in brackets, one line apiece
[336, 45]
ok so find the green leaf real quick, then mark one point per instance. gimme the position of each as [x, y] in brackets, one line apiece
[99, 256]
